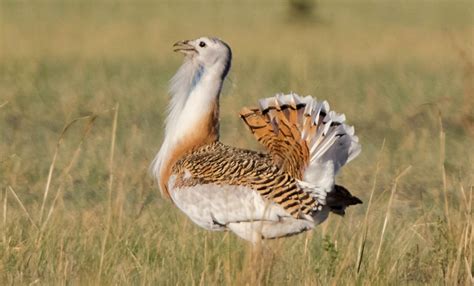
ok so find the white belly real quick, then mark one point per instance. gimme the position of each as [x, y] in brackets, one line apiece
[239, 209]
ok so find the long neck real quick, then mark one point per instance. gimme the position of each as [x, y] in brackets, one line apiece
[193, 118]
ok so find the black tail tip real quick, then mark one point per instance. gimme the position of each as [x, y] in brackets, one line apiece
[354, 201]
[342, 195]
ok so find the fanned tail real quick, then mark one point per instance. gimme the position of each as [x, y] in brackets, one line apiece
[303, 136]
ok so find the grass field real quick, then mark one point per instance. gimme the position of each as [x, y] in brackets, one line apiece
[83, 95]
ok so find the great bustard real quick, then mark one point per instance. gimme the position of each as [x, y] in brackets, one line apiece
[288, 190]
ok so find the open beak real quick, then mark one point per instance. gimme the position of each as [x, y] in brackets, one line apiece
[184, 47]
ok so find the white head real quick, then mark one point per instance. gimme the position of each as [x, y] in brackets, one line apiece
[211, 54]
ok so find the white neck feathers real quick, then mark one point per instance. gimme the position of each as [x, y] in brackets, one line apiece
[193, 116]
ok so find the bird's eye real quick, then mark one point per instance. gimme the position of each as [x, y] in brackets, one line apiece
[202, 44]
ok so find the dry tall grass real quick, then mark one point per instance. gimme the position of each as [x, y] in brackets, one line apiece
[78, 206]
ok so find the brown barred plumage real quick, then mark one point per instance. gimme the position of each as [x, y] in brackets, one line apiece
[225, 165]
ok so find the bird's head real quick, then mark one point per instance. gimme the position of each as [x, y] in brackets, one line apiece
[210, 53]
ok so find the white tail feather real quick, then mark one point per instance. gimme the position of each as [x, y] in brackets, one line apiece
[331, 146]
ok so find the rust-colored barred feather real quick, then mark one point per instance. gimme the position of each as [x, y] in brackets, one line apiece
[285, 129]
[286, 149]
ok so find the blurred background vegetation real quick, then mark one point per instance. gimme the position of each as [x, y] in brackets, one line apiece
[78, 207]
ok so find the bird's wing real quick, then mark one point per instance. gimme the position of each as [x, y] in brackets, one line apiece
[219, 164]
[303, 137]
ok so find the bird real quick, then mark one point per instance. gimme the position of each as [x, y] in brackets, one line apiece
[285, 190]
